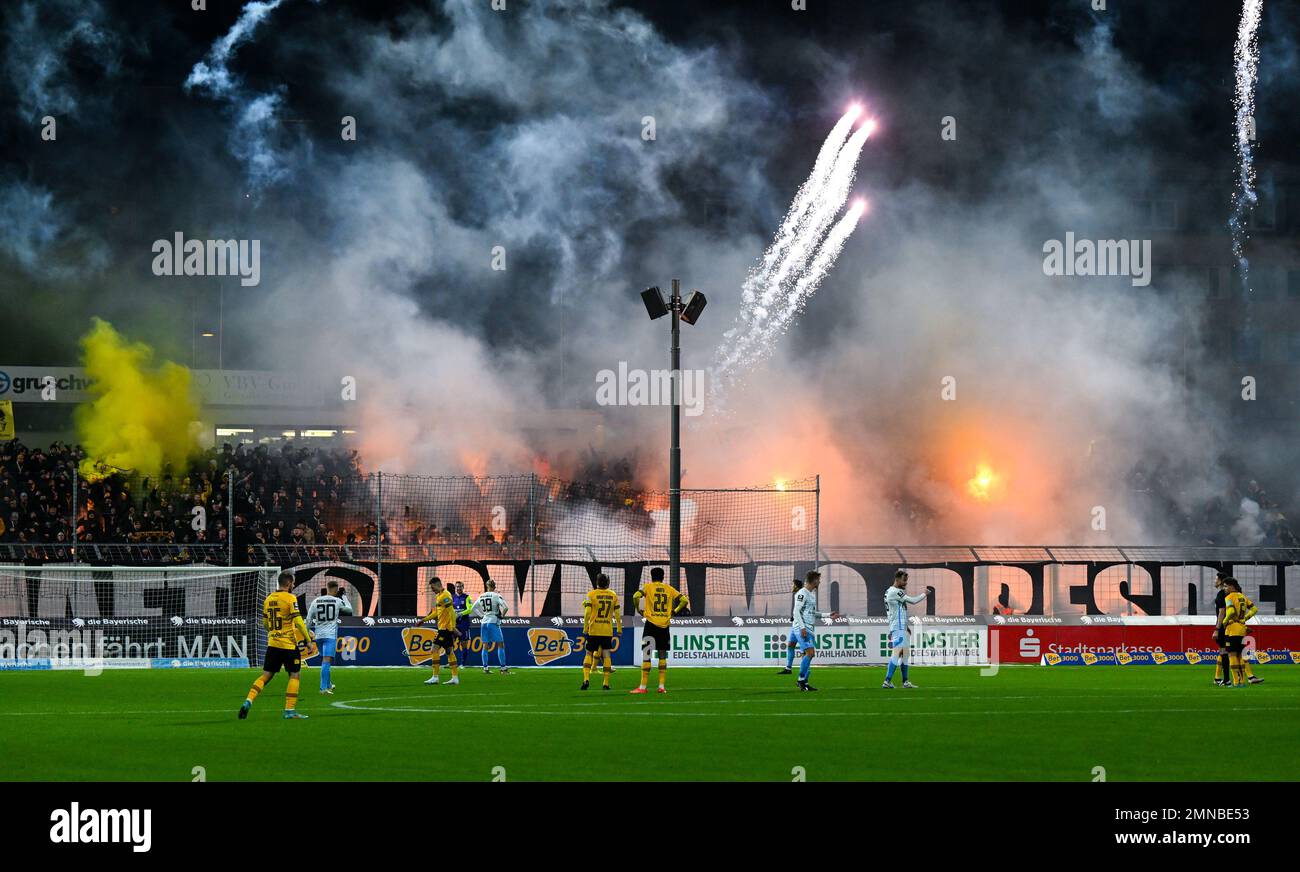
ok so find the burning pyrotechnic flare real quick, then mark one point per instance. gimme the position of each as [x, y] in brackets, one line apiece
[985, 484]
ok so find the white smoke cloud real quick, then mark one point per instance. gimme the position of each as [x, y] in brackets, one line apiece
[252, 138]
[1246, 529]
[39, 38]
[478, 129]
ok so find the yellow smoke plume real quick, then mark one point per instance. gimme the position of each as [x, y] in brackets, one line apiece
[141, 414]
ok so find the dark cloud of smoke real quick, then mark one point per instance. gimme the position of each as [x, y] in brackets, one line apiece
[523, 130]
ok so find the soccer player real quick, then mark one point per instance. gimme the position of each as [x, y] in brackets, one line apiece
[284, 625]
[900, 649]
[1237, 611]
[790, 644]
[445, 615]
[602, 619]
[803, 622]
[492, 608]
[657, 602]
[1222, 670]
[323, 620]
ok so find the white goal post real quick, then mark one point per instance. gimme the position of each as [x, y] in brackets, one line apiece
[75, 616]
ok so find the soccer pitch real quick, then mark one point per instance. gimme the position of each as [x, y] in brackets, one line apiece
[1025, 722]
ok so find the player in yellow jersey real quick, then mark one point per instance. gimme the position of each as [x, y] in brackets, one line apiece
[1237, 611]
[444, 614]
[602, 620]
[285, 631]
[657, 602]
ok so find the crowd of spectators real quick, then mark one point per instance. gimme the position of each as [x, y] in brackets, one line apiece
[1248, 515]
[286, 504]
[277, 497]
[295, 503]
[611, 485]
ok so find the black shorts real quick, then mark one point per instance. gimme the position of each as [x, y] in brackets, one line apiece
[1221, 639]
[446, 639]
[600, 643]
[659, 634]
[287, 658]
[1235, 644]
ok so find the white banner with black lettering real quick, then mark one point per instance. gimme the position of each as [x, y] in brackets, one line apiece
[746, 641]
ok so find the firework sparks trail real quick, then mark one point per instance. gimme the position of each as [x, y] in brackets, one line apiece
[821, 264]
[826, 206]
[803, 200]
[1245, 69]
[801, 256]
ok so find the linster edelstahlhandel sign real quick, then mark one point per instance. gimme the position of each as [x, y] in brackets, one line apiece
[851, 641]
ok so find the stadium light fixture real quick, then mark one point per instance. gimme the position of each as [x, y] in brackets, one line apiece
[695, 304]
[689, 312]
[654, 303]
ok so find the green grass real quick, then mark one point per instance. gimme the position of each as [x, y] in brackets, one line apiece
[1140, 723]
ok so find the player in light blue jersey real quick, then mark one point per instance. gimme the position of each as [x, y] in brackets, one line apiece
[790, 644]
[804, 619]
[492, 608]
[896, 603]
[323, 621]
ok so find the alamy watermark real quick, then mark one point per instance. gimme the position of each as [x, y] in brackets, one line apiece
[651, 387]
[1102, 257]
[209, 257]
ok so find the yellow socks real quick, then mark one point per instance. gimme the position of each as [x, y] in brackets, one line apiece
[645, 673]
[586, 668]
[291, 694]
[256, 688]
[663, 672]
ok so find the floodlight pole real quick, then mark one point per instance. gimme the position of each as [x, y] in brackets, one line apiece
[675, 452]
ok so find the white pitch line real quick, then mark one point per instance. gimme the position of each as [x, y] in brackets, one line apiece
[538, 710]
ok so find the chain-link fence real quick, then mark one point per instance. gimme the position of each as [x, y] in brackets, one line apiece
[233, 511]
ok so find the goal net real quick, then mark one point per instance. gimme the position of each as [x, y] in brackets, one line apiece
[62, 616]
